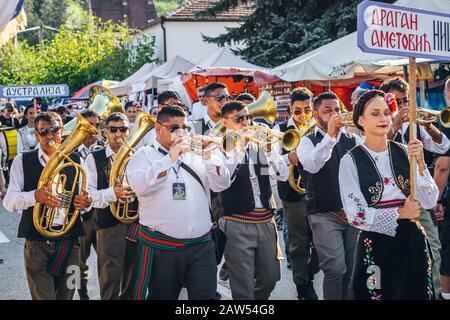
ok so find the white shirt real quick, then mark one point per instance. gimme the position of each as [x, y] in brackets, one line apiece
[180, 219]
[83, 151]
[28, 134]
[198, 110]
[275, 160]
[16, 199]
[359, 214]
[427, 140]
[314, 158]
[100, 198]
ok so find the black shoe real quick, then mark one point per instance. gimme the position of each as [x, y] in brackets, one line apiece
[218, 296]
[441, 297]
[307, 292]
[83, 293]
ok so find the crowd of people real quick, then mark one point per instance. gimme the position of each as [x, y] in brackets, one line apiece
[356, 220]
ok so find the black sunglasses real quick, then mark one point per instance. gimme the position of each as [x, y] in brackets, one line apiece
[44, 131]
[115, 129]
[300, 111]
[243, 117]
[175, 128]
[402, 101]
[220, 97]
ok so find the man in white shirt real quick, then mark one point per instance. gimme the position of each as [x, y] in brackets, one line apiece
[252, 252]
[433, 142]
[115, 254]
[199, 108]
[172, 185]
[89, 237]
[320, 153]
[47, 261]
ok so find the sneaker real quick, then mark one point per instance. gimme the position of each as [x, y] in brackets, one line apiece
[223, 274]
[83, 293]
[307, 292]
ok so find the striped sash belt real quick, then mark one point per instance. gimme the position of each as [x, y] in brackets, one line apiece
[149, 241]
[58, 260]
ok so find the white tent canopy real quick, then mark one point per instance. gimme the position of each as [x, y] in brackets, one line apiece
[341, 58]
[170, 69]
[223, 58]
[126, 85]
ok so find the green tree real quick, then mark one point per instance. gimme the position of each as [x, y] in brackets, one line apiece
[281, 30]
[77, 57]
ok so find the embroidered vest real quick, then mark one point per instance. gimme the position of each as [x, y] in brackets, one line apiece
[369, 177]
[323, 187]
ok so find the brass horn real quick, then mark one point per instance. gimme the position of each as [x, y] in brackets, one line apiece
[230, 143]
[103, 102]
[264, 136]
[296, 183]
[428, 116]
[124, 211]
[52, 175]
[263, 108]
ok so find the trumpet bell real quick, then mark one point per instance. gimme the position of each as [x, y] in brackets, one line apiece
[290, 139]
[445, 117]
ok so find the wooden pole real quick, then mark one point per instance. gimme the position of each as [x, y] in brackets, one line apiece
[412, 123]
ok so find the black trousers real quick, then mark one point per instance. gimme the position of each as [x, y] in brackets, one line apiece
[393, 268]
[194, 267]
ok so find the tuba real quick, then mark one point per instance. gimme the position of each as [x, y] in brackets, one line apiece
[295, 183]
[263, 108]
[103, 102]
[44, 216]
[121, 210]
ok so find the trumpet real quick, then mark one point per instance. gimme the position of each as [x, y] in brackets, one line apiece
[425, 116]
[230, 143]
[347, 119]
[263, 136]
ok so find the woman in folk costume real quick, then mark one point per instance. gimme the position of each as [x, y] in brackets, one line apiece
[392, 257]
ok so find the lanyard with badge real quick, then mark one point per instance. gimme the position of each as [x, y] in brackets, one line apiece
[178, 188]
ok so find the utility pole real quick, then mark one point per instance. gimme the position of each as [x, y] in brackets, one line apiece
[41, 35]
[91, 22]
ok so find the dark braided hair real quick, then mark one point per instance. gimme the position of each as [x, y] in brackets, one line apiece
[362, 103]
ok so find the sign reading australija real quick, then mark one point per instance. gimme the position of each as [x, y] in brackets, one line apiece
[45, 90]
[389, 29]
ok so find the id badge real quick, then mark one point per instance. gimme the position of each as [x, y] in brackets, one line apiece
[179, 191]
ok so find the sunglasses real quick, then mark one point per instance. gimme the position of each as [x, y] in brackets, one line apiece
[115, 129]
[243, 117]
[300, 111]
[44, 131]
[175, 128]
[402, 101]
[221, 97]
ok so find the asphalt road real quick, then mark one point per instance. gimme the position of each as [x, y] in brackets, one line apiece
[13, 284]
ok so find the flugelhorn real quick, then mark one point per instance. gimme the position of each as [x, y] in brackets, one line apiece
[230, 143]
[53, 175]
[293, 182]
[121, 209]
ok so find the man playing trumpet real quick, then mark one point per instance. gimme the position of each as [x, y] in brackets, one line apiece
[47, 261]
[251, 250]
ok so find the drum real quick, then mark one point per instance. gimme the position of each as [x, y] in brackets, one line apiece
[8, 144]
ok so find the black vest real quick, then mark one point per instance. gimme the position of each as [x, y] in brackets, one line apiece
[285, 191]
[200, 127]
[32, 170]
[428, 156]
[103, 218]
[323, 187]
[370, 180]
[238, 198]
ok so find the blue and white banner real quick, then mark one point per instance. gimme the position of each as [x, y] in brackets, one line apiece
[44, 90]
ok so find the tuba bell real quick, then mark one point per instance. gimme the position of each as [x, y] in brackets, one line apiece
[122, 210]
[103, 102]
[263, 108]
[44, 216]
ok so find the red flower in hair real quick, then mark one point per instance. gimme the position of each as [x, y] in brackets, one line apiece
[391, 102]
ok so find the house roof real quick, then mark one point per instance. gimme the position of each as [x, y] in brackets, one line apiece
[187, 12]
